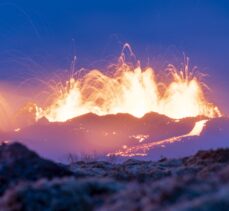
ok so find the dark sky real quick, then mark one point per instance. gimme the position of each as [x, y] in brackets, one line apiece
[42, 36]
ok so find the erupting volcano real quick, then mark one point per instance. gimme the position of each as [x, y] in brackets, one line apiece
[132, 90]
[89, 123]
[128, 112]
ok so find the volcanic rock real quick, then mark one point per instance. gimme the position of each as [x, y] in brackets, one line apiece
[131, 170]
[59, 194]
[102, 134]
[18, 163]
[198, 182]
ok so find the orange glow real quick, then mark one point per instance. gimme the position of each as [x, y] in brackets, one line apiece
[5, 121]
[17, 129]
[198, 128]
[141, 150]
[132, 90]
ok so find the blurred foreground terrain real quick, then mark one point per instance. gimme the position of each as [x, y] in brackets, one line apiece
[29, 182]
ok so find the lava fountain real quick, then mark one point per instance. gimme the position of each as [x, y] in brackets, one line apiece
[152, 108]
[132, 90]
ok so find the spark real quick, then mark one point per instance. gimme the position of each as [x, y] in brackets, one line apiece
[130, 89]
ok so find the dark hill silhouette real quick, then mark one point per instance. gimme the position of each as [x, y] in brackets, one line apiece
[89, 133]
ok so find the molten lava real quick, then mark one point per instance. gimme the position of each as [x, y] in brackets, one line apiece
[197, 129]
[141, 150]
[128, 89]
[131, 90]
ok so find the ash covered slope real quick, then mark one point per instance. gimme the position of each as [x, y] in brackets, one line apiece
[197, 182]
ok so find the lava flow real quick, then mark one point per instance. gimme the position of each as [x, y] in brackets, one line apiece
[132, 90]
[141, 150]
[130, 96]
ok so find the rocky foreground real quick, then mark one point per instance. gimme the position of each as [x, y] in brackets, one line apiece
[28, 182]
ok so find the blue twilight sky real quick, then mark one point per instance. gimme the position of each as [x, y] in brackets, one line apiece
[42, 36]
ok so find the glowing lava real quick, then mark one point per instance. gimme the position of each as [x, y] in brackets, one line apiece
[141, 150]
[131, 90]
[197, 129]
